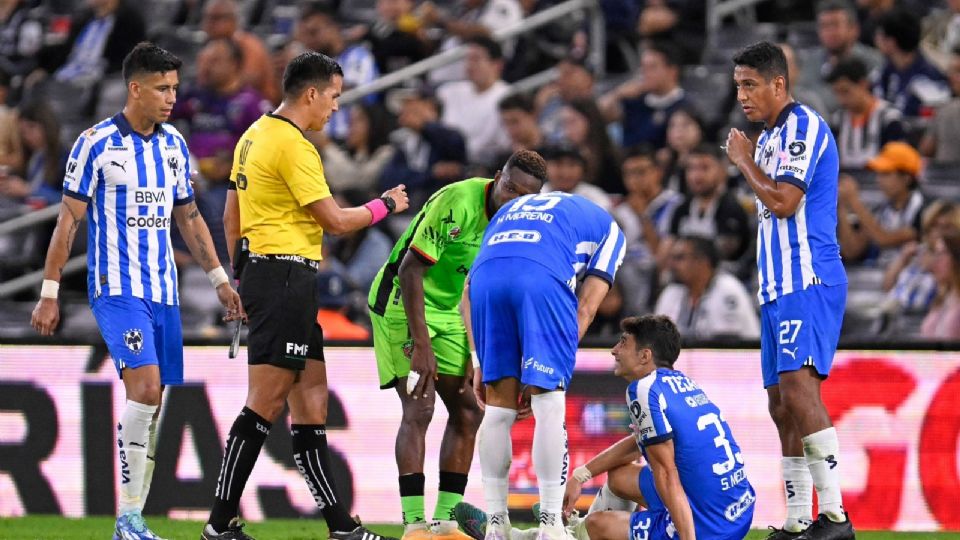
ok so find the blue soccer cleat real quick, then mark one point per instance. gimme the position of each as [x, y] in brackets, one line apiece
[471, 520]
[131, 526]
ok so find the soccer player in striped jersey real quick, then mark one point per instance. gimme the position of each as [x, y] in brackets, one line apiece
[803, 287]
[131, 175]
[527, 319]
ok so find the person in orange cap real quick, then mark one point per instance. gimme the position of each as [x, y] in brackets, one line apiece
[875, 236]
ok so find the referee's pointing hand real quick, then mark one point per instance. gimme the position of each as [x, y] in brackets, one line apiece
[399, 196]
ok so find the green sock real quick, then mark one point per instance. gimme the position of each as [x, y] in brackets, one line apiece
[452, 486]
[411, 498]
[412, 509]
[445, 503]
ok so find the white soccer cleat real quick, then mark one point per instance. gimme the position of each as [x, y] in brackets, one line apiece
[498, 527]
[548, 532]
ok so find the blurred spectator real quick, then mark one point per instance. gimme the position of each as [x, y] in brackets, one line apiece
[469, 19]
[395, 37]
[574, 81]
[11, 149]
[358, 164]
[876, 236]
[907, 280]
[865, 122]
[869, 12]
[567, 169]
[644, 217]
[41, 182]
[685, 131]
[943, 135]
[809, 92]
[584, 128]
[706, 302]
[838, 31]
[317, 30]
[941, 34]
[333, 297]
[220, 106]
[710, 210]
[643, 104]
[907, 80]
[470, 106]
[100, 37]
[21, 36]
[519, 120]
[221, 20]
[943, 320]
[427, 153]
[683, 23]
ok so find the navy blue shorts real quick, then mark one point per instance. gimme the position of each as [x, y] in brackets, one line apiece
[801, 329]
[140, 332]
[524, 323]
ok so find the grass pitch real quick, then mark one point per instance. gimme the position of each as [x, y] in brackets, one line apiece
[58, 528]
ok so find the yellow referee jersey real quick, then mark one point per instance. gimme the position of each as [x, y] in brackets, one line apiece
[277, 173]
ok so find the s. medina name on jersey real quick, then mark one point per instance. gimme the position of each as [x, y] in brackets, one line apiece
[445, 235]
[131, 182]
[665, 405]
[801, 250]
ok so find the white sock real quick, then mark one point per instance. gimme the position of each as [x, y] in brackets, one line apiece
[148, 469]
[550, 458]
[798, 488]
[496, 450]
[133, 438]
[606, 500]
[822, 452]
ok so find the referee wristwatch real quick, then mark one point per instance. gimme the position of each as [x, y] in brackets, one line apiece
[389, 203]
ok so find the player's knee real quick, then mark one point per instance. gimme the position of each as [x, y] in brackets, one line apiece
[621, 480]
[418, 413]
[778, 411]
[267, 405]
[145, 391]
[598, 526]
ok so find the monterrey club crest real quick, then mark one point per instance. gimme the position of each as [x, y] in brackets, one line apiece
[133, 339]
[173, 163]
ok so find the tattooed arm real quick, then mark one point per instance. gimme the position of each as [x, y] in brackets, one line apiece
[197, 236]
[46, 315]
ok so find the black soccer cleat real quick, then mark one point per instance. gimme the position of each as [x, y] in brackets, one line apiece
[234, 532]
[360, 533]
[826, 529]
[781, 534]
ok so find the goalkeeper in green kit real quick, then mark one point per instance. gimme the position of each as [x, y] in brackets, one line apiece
[420, 339]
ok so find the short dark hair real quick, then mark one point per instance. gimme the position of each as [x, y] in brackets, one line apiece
[851, 69]
[640, 151]
[529, 162]
[236, 52]
[309, 69]
[827, 6]
[148, 58]
[657, 333]
[765, 57]
[670, 52]
[317, 9]
[702, 247]
[903, 27]
[517, 102]
[494, 50]
[705, 149]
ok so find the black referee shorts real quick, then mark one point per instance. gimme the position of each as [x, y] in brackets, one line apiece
[280, 298]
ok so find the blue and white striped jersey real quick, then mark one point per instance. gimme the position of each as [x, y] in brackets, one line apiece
[666, 405]
[801, 250]
[567, 234]
[132, 183]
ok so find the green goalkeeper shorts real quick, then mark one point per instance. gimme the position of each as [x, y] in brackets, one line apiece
[393, 345]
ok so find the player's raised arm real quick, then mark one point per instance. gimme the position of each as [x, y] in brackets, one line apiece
[667, 481]
[46, 315]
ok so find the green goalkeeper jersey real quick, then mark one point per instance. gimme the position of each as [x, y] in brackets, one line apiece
[445, 234]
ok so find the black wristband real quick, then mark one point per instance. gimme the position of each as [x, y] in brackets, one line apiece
[389, 203]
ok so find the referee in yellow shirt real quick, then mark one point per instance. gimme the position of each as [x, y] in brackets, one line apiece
[281, 206]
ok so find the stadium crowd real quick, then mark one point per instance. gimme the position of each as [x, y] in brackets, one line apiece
[639, 135]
